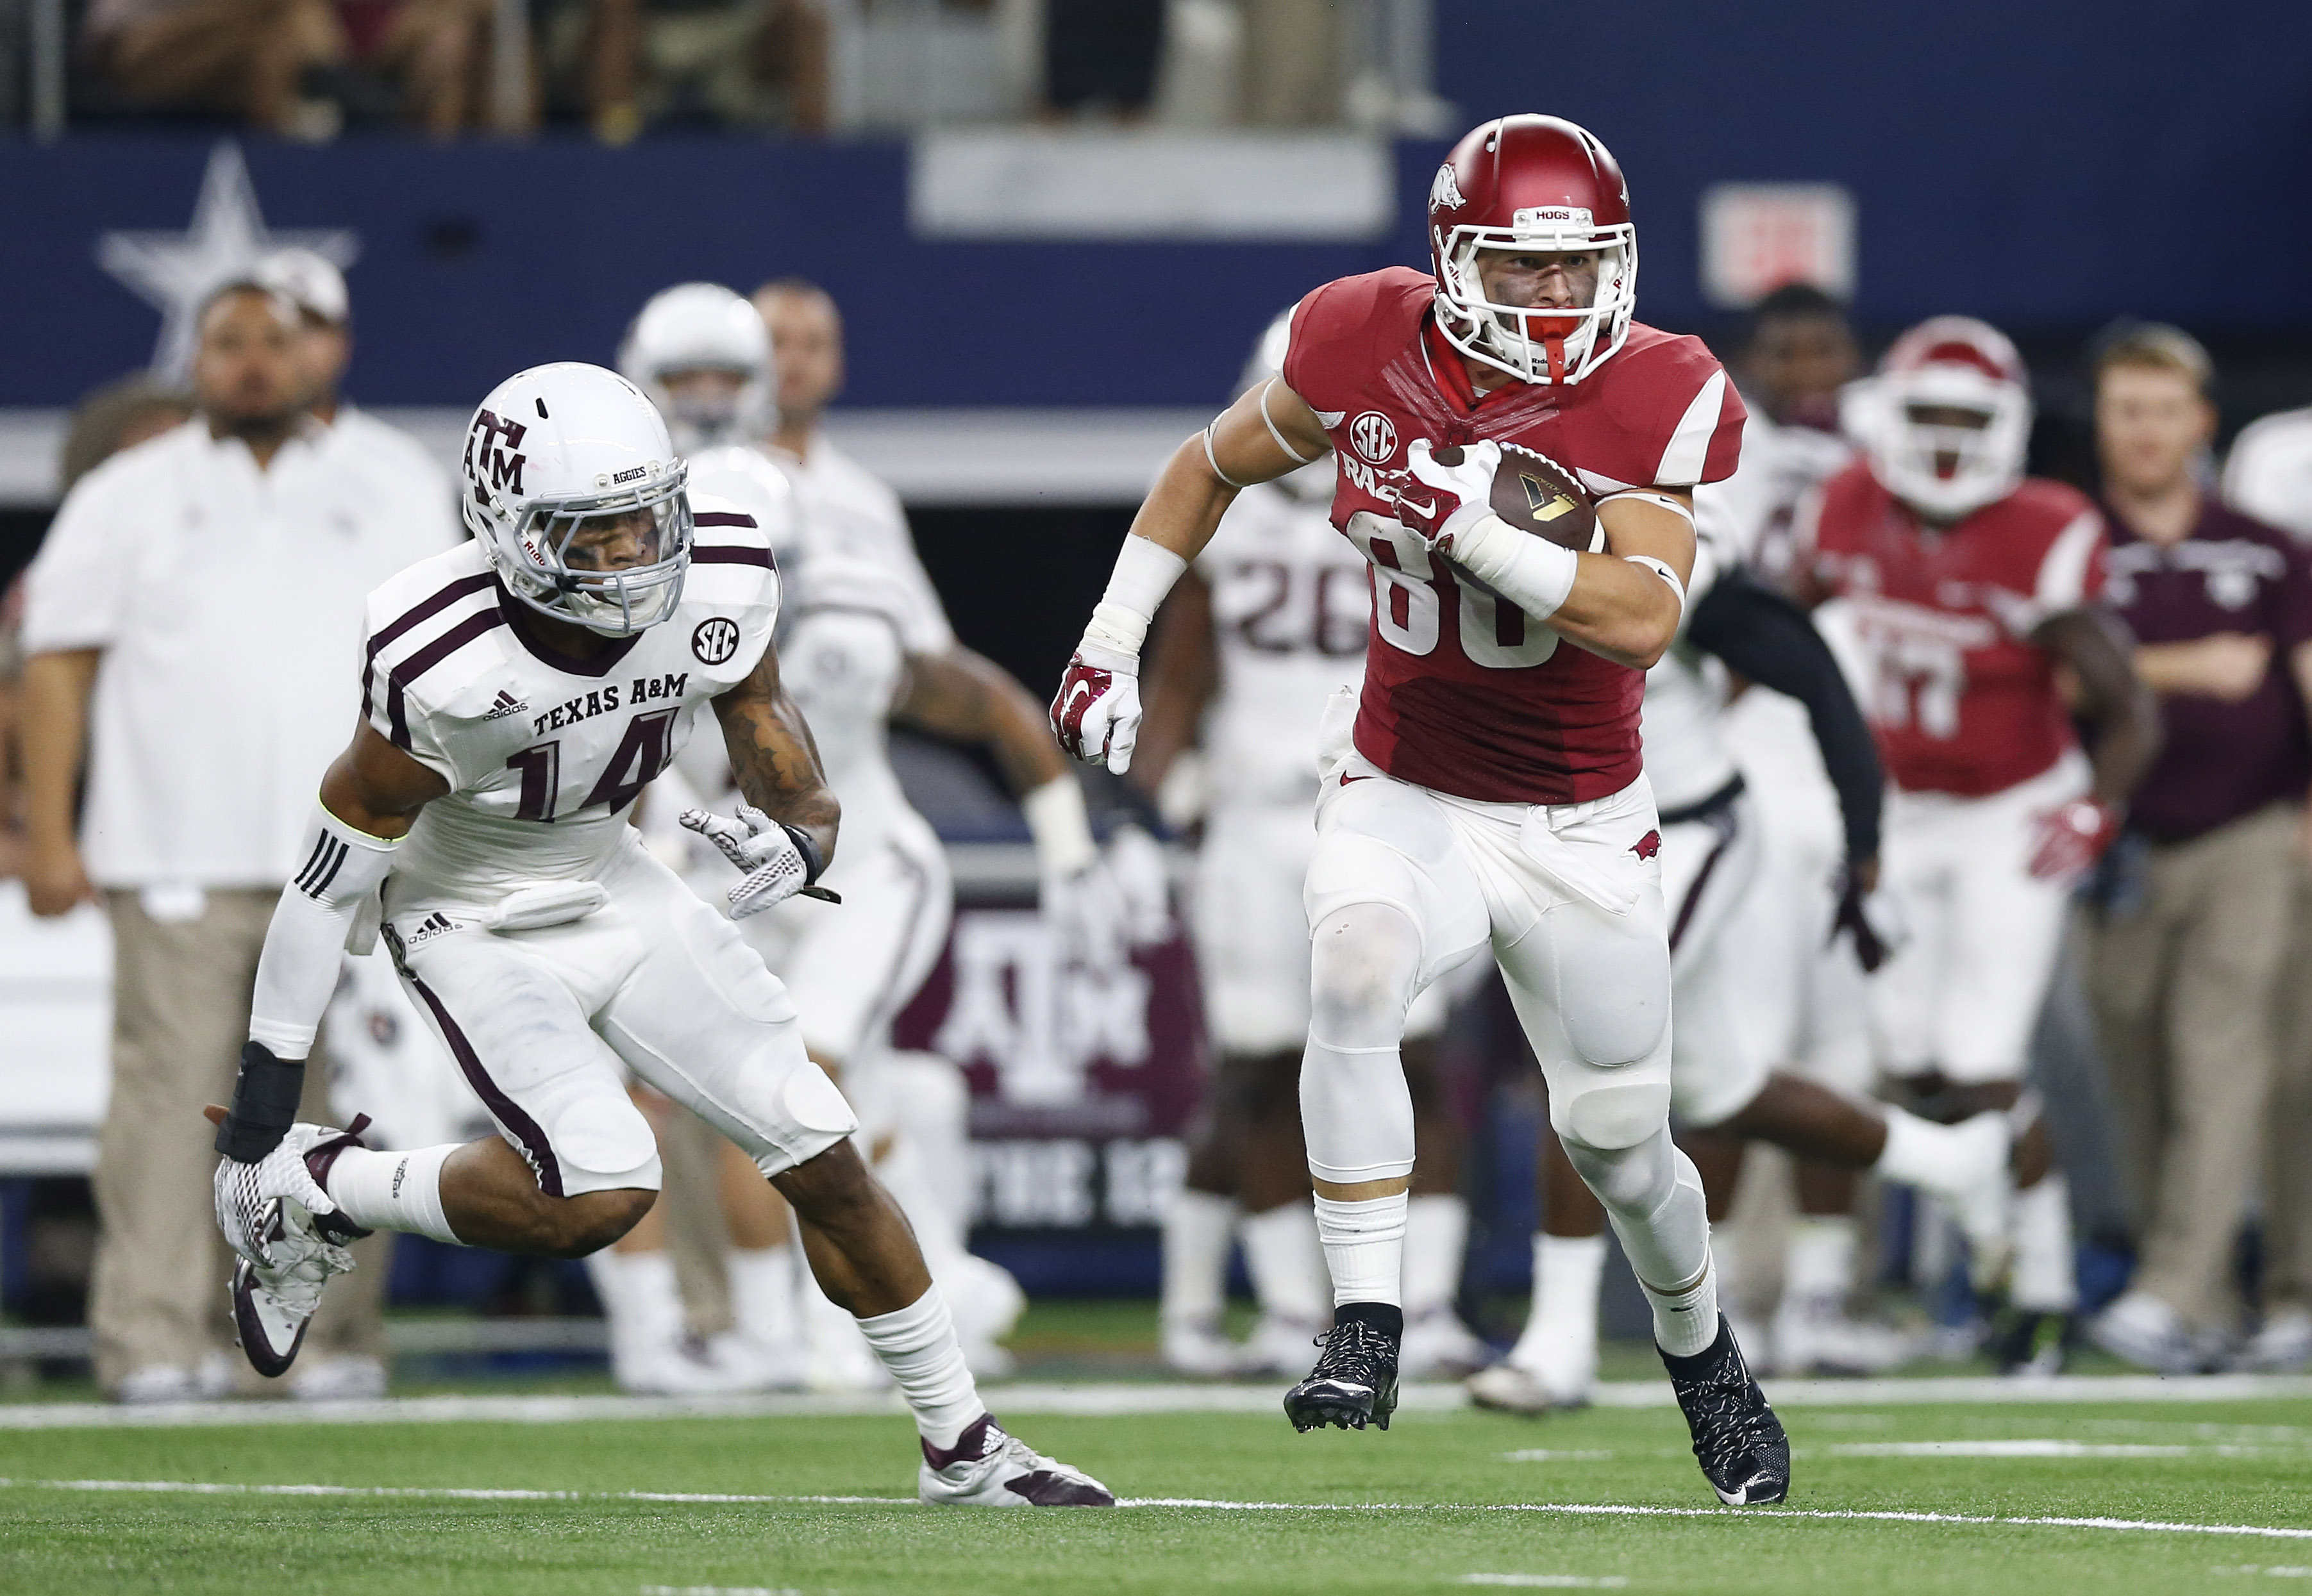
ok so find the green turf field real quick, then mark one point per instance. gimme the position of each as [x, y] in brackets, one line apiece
[1424, 1503]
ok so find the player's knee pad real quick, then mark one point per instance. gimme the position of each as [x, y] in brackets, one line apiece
[1612, 993]
[1355, 1115]
[1598, 1112]
[787, 1111]
[1364, 959]
[1654, 1193]
[602, 1143]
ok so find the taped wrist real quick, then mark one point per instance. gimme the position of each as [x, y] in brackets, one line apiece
[306, 945]
[813, 861]
[1531, 572]
[264, 1103]
[1144, 572]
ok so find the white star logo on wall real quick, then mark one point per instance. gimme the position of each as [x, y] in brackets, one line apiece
[174, 272]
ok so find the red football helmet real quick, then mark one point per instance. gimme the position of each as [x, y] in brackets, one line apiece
[1946, 422]
[1532, 183]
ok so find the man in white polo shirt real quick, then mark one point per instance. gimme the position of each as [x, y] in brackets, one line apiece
[189, 621]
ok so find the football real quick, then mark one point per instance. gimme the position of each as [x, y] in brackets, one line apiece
[1536, 494]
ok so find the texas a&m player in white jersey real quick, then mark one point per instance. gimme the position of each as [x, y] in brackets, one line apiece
[522, 690]
[1266, 627]
[1970, 584]
[1726, 1088]
[1490, 795]
[866, 642]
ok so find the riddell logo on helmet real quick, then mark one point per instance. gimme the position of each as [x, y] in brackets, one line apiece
[1553, 216]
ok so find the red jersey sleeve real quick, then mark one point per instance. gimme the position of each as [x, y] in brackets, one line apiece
[1345, 331]
[1679, 410]
[2073, 550]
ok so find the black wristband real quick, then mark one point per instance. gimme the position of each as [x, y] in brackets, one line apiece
[813, 862]
[264, 1103]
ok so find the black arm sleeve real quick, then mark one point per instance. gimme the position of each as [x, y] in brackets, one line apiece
[1768, 639]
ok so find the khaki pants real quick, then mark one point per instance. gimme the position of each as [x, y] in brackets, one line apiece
[2183, 985]
[2288, 1128]
[180, 1013]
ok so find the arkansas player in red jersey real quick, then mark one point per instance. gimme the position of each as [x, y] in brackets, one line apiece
[1970, 584]
[1486, 792]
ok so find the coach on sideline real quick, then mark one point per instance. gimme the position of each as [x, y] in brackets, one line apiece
[191, 626]
[2185, 947]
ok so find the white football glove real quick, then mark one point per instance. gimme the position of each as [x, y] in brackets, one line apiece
[1457, 498]
[1096, 714]
[245, 1192]
[771, 855]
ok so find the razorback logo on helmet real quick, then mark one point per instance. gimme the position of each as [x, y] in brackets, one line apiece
[501, 466]
[1374, 435]
[1445, 193]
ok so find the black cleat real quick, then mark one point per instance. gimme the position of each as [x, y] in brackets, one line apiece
[2031, 1343]
[1355, 1381]
[1737, 1439]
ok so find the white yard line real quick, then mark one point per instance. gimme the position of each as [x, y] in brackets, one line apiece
[1103, 1400]
[1568, 1509]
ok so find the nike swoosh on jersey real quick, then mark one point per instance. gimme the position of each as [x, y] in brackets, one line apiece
[1346, 778]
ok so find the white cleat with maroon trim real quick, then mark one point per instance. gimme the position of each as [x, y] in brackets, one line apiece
[274, 1301]
[989, 1468]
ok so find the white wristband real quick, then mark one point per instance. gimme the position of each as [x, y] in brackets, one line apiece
[1144, 572]
[1056, 819]
[1531, 572]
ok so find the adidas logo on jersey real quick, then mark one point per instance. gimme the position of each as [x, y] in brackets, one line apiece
[507, 704]
[431, 927]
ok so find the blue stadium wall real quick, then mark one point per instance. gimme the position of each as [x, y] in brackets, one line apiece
[2046, 166]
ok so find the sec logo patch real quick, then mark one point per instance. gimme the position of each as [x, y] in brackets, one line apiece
[715, 639]
[1374, 436]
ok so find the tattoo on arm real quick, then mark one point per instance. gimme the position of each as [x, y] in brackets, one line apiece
[774, 757]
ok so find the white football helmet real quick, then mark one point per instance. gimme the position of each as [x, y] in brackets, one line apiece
[1314, 483]
[1946, 421]
[554, 448]
[703, 327]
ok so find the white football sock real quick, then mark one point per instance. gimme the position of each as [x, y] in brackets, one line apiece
[1561, 1332]
[918, 1346]
[1355, 1111]
[1686, 1321]
[1196, 1231]
[642, 1306]
[763, 1293]
[1286, 1262]
[393, 1190]
[2046, 1279]
[1364, 1247]
[1819, 1259]
[1436, 1234]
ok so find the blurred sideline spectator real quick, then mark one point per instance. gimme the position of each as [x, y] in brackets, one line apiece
[249, 58]
[1292, 71]
[437, 56]
[737, 63]
[2185, 941]
[121, 414]
[190, 626]
[2269, 477]
[1102, 55]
